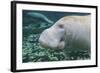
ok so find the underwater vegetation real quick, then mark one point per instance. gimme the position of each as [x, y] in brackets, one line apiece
[34, 22]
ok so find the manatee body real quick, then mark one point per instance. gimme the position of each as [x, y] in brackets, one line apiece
[35, 22]
[71, 32]
[40, 16]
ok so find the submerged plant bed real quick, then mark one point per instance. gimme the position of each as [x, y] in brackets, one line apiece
[35, 53]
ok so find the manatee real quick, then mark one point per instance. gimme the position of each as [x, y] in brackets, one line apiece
[40, 16]
[69, 32]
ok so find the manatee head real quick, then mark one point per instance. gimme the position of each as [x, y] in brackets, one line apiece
[69, 31]
[53, 37]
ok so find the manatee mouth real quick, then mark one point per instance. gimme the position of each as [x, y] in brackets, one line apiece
[62, 39]
[61, 44]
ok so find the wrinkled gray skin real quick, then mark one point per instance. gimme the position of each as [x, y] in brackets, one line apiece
[69, 32]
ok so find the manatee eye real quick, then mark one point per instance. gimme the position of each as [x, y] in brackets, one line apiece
[61, 26]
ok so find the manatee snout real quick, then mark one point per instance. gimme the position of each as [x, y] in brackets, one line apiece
[50, 38]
